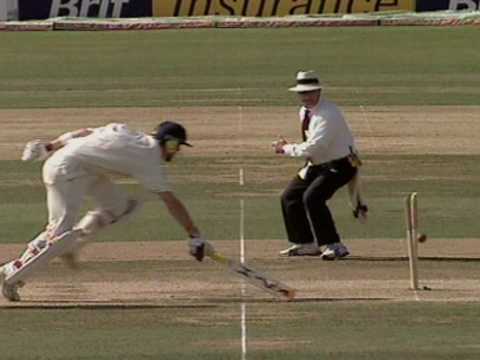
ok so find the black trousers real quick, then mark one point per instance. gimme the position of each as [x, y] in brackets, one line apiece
[306, 215]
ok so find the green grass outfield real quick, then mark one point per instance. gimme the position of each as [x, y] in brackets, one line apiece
[366, 66]
[360, 66]
[329, 330]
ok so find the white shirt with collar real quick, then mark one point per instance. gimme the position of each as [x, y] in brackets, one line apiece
[328, 136]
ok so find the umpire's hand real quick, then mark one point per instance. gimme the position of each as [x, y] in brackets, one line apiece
[278, 145]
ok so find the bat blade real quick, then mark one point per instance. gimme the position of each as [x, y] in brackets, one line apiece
[256, 278]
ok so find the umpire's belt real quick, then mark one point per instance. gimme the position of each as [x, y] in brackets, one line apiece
[337, 163]
[314, 170]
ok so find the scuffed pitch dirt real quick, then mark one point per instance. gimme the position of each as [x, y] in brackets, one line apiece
[250, 130]
[162, 274]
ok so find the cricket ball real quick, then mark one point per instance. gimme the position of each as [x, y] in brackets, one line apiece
[422, 238]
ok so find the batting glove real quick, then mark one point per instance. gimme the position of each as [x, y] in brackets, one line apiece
[198, 248]
[35, 150]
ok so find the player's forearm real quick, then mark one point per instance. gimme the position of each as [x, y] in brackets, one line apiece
[178, 211]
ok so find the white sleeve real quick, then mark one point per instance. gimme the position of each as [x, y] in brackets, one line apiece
[318, 142]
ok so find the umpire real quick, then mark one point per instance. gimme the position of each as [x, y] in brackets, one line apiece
[329, 151]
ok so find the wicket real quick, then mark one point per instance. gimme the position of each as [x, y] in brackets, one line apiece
[411, 217]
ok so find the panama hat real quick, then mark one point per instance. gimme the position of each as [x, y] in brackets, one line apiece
[306, 81]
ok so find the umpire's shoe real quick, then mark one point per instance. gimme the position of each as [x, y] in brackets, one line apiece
[335, 251]
[309, 249]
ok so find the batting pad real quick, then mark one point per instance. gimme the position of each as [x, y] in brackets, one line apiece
[62, 244]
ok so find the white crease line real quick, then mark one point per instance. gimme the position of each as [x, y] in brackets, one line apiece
[244, 330]
[241, 182]
[241, 179]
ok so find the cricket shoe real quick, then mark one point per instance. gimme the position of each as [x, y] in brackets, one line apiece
[310, 249]
[335, 251]
[9, 291]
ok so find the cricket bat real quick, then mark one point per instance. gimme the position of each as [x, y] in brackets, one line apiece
[256, 278]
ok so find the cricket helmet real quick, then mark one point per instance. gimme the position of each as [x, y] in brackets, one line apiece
[168, 131]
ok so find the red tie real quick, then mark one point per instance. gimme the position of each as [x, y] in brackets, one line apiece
[305, 123]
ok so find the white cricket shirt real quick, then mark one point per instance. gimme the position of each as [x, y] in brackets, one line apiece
[110, 149]
[328, 135]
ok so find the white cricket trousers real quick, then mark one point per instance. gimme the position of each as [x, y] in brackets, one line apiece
[65, 199]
